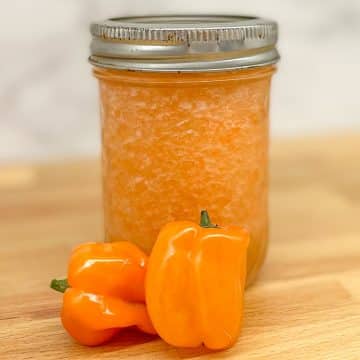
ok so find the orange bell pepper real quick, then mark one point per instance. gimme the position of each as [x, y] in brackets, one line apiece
[104, 292]
[195, 283]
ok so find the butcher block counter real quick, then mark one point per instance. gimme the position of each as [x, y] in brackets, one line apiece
[304, 305]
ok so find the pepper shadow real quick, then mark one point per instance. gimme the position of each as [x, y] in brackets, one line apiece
[126, 339]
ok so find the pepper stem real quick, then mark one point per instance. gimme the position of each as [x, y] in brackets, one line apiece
[205, 221]
[59, 285]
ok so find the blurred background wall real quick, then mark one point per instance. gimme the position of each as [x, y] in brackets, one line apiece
[48, 98]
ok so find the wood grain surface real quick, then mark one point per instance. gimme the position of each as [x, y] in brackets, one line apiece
[305, 304]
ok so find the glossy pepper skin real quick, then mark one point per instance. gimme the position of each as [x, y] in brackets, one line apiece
[104, 292]
[195, 283]
[116, 269]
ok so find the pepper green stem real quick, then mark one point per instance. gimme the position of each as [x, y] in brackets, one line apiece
[59, 285]
[205, 221]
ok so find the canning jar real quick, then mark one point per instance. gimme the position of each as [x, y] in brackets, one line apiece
[184, 111]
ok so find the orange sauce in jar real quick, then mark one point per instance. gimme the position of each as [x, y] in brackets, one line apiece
[176, 143]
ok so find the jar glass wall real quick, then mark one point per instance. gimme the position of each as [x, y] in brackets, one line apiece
[176, 143]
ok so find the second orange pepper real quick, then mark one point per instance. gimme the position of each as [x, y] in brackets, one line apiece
[104, 292]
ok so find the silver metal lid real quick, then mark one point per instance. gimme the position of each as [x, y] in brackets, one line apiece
[183, 43]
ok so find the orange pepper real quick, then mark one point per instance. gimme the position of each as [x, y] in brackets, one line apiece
[195, 283]
[104, 292]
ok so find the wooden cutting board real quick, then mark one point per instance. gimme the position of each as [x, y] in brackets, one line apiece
[305, 304]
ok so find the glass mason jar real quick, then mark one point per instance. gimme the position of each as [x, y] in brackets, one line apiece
[184, 109]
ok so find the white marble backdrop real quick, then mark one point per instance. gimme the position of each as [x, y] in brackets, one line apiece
[48, 98]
